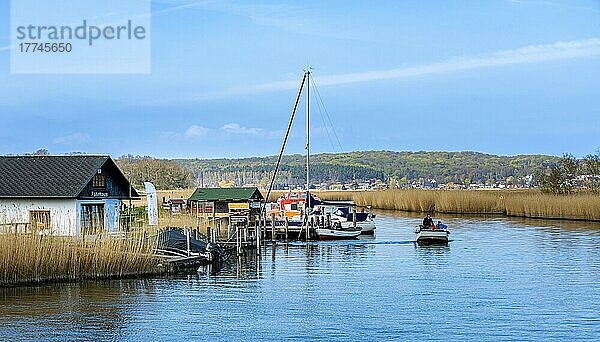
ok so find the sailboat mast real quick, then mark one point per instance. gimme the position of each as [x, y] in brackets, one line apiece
[307, 140]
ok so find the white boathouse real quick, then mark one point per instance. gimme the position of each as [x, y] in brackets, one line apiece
[62, 195]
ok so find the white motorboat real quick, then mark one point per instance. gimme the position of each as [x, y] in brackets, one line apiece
[431, 235]
[337, 233]
[341, 211]
[366, 226]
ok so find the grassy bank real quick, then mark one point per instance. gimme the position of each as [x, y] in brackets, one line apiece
[31, 259]
[521, 203]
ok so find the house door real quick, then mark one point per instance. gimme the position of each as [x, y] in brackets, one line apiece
[92, 219]
[113, 214]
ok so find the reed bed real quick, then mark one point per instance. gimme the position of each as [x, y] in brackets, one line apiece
[521, 203]
[573, 207]
[30, 259]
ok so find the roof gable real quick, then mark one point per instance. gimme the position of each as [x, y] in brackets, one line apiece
[48, 176]
[226, 194]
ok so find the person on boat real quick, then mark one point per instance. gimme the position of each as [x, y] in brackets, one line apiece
[428, 222]
[440, 225]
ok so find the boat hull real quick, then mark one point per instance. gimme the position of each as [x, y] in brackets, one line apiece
[432, 237]
[366, 227]
[337, 234]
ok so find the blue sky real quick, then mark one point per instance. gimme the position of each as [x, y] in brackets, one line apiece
[502, 77]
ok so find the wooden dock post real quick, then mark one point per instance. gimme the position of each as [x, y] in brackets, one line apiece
[308, 226]
[302, 228]
[287, 225]
[238, 240]
[273, 228]
[228, 229]
[257, 233]
[264, 230]
[187, 240]
[354, 217]
[208, 234]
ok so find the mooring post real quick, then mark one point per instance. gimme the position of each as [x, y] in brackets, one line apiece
[208, 234]
[257, 234]
[257, 239]
[238, 241]
[273, 228]
[228, 229]
[308, 227]
[218, 232]
[264, 230]
[354, 217]
[187, 240]
[287, 225]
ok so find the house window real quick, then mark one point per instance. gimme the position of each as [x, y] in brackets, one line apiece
[39, 220]
[221, 208]
[99, 181]
[92, 218]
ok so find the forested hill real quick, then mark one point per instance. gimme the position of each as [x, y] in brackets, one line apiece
[444, 167]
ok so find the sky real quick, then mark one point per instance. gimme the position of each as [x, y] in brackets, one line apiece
[504, 77]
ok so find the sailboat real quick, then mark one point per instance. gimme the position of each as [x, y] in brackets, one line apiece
[337, 229]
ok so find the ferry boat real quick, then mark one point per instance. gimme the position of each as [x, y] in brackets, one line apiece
[431, 235]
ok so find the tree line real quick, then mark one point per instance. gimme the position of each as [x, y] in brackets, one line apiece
[444, 167]
[570, 174]
[163, 173]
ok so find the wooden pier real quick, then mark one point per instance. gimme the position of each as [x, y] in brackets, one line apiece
[248, 235]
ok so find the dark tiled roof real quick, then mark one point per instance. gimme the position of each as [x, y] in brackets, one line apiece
[47, 176]
[225, 194]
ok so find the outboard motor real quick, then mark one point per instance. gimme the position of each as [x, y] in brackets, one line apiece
[216, 253]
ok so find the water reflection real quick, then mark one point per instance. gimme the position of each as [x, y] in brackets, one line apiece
[89, 310]
[553, 226]
[499, 278]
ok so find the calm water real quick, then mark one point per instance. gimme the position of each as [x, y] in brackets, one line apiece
[499, 279]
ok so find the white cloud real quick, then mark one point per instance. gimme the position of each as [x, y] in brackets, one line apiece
[72, 139]
[525, 55]
[229, 129]
[195, 131]
[235, 128]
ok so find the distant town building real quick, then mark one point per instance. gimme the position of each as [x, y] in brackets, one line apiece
[175, 205]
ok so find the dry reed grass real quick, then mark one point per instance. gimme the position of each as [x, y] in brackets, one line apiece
[521, 203]
[28, 259]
